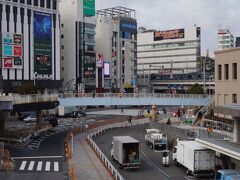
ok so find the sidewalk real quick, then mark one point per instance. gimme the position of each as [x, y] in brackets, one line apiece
[87, 164]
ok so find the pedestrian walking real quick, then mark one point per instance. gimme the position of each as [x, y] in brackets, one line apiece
[122, 112]
[130, 120]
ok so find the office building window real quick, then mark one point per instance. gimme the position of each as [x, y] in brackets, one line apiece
[48, 4]
[42, 3]
[62, 25]
[62, 47]
[226, 71]
[62, 36]
[54, 6]
[62, 58]
[29, 2]
[219, 72]
[35, 2]
[234, 70]
[234, 98]
[15, 0]
[22, 1]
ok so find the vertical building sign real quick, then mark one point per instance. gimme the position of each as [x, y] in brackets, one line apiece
[89, 7]
[42, 43]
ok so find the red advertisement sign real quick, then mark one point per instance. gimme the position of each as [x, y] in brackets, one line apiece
[7, 62]
[17, 51]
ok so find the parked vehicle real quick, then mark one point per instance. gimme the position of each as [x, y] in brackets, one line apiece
[30, 119]
[75, 114]
[198, 160]
[155, 139]
[227, 174]
[165, 158]
[126, 152]
[23, 115]
[53, 121]
[70, 111]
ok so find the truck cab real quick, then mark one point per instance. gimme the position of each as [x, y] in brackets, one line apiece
[227, 174]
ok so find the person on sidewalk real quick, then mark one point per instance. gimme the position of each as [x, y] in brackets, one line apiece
[130, 120]
[122, 111]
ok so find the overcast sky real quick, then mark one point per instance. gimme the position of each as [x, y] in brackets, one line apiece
[170, 14]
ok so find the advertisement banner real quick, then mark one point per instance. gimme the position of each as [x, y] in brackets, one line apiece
[7, 62]
[42, 43]
[89, 7]
[17, 38]
[7, 50]
[107, 69]
[17, 51]
[17, 62]
[7, 38]
[170, 34]
[99, 61]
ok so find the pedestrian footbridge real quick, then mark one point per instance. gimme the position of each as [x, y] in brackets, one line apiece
[131, 99]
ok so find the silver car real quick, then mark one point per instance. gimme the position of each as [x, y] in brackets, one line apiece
[30, 119]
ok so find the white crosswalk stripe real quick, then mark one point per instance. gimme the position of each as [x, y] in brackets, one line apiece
[47, 168]
[22, 167]
[56, 166]
[40, 166]
[30, 167]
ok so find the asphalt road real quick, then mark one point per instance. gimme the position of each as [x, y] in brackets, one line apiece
[151, 167]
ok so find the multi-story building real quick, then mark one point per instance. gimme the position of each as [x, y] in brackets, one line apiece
[225, 39]
[227, 77]
[116, 40]
[30, 43]
[167, 52]
[237, 42]
[78, 56]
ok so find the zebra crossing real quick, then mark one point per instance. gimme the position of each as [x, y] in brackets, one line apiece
[38, 166]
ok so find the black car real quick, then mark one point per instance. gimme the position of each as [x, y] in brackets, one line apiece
[75, 114]
[53, 121]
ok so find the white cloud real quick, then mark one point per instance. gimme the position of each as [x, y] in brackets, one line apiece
[169, 14]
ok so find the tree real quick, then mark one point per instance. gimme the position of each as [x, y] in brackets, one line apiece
[196, 89]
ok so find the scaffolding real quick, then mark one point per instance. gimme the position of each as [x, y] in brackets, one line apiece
[117, 12]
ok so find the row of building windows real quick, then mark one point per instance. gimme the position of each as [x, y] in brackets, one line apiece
[38, 3]
[171, 45]
[226, 71]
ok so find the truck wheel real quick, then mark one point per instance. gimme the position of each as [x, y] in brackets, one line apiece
[176, 163]
[151, 146]
[188, 172]
[119, 166]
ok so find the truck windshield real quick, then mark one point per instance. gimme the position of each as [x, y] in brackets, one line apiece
[218, 176]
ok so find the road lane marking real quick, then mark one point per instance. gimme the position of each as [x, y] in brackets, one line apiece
[37, 157]
[154, 166]
[30, 167]
[22, 167]
[47, 168]
[56, 166]
[39, 166]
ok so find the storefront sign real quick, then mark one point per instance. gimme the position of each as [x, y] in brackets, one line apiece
[170, 34]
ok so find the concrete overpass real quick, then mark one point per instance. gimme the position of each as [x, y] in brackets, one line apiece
[125, 99]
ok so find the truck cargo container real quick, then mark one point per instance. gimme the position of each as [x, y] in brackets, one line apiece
[126, 152]
[197, 159]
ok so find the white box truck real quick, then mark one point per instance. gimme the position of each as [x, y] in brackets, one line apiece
[155, 139]
[197, 159]
[126, 152]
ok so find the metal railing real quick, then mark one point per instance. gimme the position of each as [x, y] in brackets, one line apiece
[133, 95]
[98, 151]
[34, 98]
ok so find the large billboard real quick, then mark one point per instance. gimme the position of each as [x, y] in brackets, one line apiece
[99, 60]
[42, 43]
[170, 34]
[89, 7]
